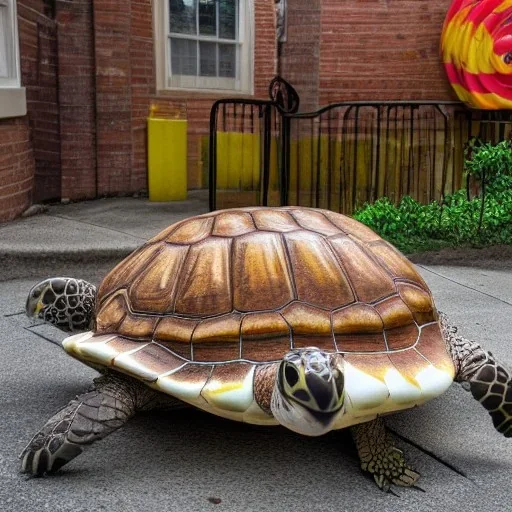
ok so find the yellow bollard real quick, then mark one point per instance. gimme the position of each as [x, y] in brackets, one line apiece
[167, 159]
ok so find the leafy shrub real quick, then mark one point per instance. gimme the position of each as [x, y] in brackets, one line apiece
[488, 162]
[412, 226]
[483, 220]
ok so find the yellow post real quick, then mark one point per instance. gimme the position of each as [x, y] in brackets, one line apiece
[167, 159]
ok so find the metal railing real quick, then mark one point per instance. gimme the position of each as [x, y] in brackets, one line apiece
[343, 155]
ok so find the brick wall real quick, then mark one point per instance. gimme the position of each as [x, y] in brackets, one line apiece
[77, 98]
[112, 45]
[38, 48]
[382, 50]
[339, 50]
[301, 52]
[16, 167]
[30, 146]
[142, 87]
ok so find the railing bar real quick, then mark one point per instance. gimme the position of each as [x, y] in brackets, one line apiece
[318, 164]
[266, 154]
[354, 168]
[377, 156]
[330, 174]
[212, 157]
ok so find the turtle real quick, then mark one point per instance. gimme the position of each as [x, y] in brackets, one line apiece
[290, 316]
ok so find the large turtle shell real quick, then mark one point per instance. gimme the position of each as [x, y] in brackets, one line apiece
[247, 285]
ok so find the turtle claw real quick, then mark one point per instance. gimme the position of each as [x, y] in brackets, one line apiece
[379, 457]
[407, 478]
[382, 482]
[47, 454]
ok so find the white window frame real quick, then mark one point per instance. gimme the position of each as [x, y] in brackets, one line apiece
[243, 83]
[12, 96]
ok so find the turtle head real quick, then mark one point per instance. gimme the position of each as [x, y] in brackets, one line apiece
[65, 302]
[309, 393]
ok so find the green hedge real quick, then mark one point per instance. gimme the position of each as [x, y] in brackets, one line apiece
[413, 227]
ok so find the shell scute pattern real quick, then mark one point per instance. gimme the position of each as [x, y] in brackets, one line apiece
[261, 279]
[274, 220]
[361, 318]
[251, 284]
[112, 313]
[369, 281]
[395, 263]
[191, 232]
[318, 275]
[154, 290]
[307, 320]
[202, 291]
[124, 273]
[233, 224]
[137, 326]
[263, 334]
[314, 220]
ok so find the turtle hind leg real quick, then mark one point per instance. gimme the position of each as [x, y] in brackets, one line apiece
[489, 381]
[380, 457]
[86, 419]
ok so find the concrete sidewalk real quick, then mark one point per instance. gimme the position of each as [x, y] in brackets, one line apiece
[89, 232]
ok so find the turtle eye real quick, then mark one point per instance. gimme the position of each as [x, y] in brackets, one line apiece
[291, 375]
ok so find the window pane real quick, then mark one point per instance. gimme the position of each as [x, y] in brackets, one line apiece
[208, 59]
[227, 60]
[183, 16]
[208, 17]
[183, 57]
[227, 19]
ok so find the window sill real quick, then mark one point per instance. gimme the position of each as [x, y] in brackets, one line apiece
[13, 102]
[206, 93]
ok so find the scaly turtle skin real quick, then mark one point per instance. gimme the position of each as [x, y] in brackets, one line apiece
[65, 302]
[292, 316]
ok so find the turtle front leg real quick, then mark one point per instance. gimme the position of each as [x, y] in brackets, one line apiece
[380, 457]
[86, 419]
[489, 381]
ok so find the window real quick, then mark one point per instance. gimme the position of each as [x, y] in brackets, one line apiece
[12, 96]
[208, 45]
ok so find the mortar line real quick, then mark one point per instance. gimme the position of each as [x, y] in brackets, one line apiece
[464, 285]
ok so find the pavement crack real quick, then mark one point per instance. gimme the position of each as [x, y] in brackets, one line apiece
[14, 314]
[430, 454]
[55, 342]
[464, 285]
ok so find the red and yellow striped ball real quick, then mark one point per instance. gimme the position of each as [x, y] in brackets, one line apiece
[476, 47]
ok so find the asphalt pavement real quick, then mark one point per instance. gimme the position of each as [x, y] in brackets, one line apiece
[191, 461]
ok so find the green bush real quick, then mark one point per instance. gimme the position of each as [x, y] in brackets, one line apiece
[413, 227]
[484, 220]
[488, 162]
